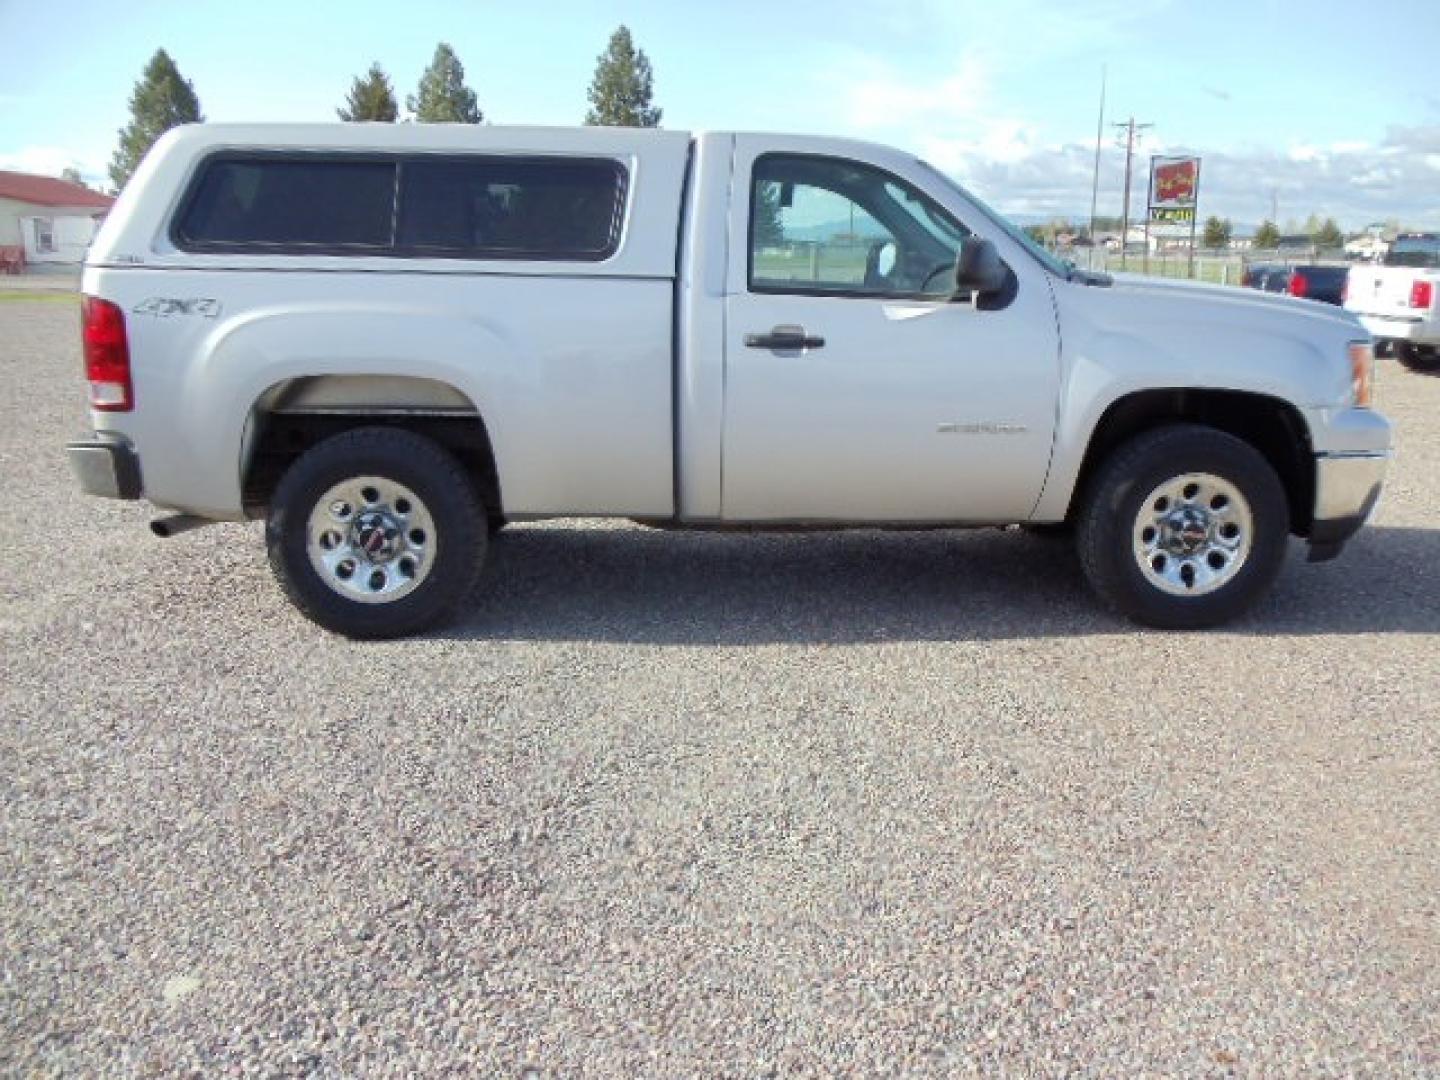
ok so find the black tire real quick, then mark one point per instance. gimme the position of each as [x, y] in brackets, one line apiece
[1421, 358]
[1109, 517]
[1051, 530]
[436, 479]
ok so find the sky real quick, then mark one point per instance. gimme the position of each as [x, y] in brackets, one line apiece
[1327, 107]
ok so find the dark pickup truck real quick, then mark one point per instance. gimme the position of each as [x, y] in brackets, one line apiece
[1312, 282]
[1326, 283]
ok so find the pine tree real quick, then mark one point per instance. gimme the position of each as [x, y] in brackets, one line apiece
[1329, 235]
[620, 92]
[1217, 232]
[371, 98]
[443, 97]
[1267, 237]
[162, 99]
[769, 227]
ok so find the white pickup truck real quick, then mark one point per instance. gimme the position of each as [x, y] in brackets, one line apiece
[389, 340]
[1399, 301]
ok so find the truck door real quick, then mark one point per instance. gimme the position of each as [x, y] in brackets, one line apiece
[857, 387]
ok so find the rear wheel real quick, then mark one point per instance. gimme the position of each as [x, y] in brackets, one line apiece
[1424, 358]
[1183, 528]
[376, 533]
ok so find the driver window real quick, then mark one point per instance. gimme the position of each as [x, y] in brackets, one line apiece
[831, 226]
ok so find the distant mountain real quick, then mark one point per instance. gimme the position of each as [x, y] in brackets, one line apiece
[869, 228]
[827, 230]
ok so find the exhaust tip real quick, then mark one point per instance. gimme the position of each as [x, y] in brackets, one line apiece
[176, 524]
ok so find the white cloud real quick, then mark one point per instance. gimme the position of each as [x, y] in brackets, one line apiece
[52, 161]
[952, 119]
[958, 117]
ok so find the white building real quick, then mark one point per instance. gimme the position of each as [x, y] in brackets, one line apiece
[45, 220]
[1371, 246]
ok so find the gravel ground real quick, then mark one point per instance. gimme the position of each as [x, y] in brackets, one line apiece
[696, 804]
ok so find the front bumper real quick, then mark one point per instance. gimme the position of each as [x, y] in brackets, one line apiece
[1417, 331]
[106, 464]
[1347, 487]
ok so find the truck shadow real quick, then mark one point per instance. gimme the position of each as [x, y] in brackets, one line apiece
[632, 585]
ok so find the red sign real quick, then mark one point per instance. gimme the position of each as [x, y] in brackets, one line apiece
[1173, 182]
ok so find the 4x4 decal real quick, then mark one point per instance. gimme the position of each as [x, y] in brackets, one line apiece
[163, 307]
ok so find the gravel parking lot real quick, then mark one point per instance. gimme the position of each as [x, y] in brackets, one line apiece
[698, 804]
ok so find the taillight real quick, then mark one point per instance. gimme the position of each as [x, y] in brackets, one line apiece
[107, 355]
[1299, 286]
[1247, 279]
[1422, 294]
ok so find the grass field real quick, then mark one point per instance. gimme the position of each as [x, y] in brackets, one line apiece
[832, 264]
[37, 295]
[840, 264]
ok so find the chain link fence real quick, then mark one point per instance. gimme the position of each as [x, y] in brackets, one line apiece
[1215, 266]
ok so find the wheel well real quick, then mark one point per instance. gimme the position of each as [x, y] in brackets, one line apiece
[281, 437]
[1273, 427]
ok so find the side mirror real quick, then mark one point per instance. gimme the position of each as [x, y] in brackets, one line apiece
[978, 268]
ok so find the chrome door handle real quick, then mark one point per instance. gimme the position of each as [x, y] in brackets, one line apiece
[785, 337]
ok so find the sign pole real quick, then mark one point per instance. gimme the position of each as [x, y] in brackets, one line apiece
[1149, 213]
[1194, 218]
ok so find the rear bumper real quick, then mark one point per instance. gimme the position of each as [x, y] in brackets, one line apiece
[106, 465]
[1347, 487]
[1414, 330]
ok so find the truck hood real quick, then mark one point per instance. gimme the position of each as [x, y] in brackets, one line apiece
[1235, 302]
[1142, 333]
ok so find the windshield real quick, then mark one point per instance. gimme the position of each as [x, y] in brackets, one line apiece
[1415, 251]
[1009, 228]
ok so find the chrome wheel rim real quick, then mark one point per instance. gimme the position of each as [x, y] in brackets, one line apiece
[371, 539]
[1193, 534]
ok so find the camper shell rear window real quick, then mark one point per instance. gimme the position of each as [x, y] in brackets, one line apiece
[462, 206]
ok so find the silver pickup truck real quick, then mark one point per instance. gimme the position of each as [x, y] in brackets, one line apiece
[389, 340]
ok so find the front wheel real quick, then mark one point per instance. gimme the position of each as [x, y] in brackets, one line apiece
[1183, 528]
[1424, 358]
[376, 533]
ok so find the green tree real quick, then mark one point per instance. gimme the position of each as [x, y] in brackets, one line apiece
[1329, 235]
[1267, 237]
[621, 90]
[443, 97]
[1217, 232]
[161, 100]
[769, 229]
[371, 98]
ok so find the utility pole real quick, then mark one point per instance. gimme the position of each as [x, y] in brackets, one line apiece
[1095, 187]
[1133, 133]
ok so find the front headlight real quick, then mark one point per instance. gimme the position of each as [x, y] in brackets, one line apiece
[1362, 373]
